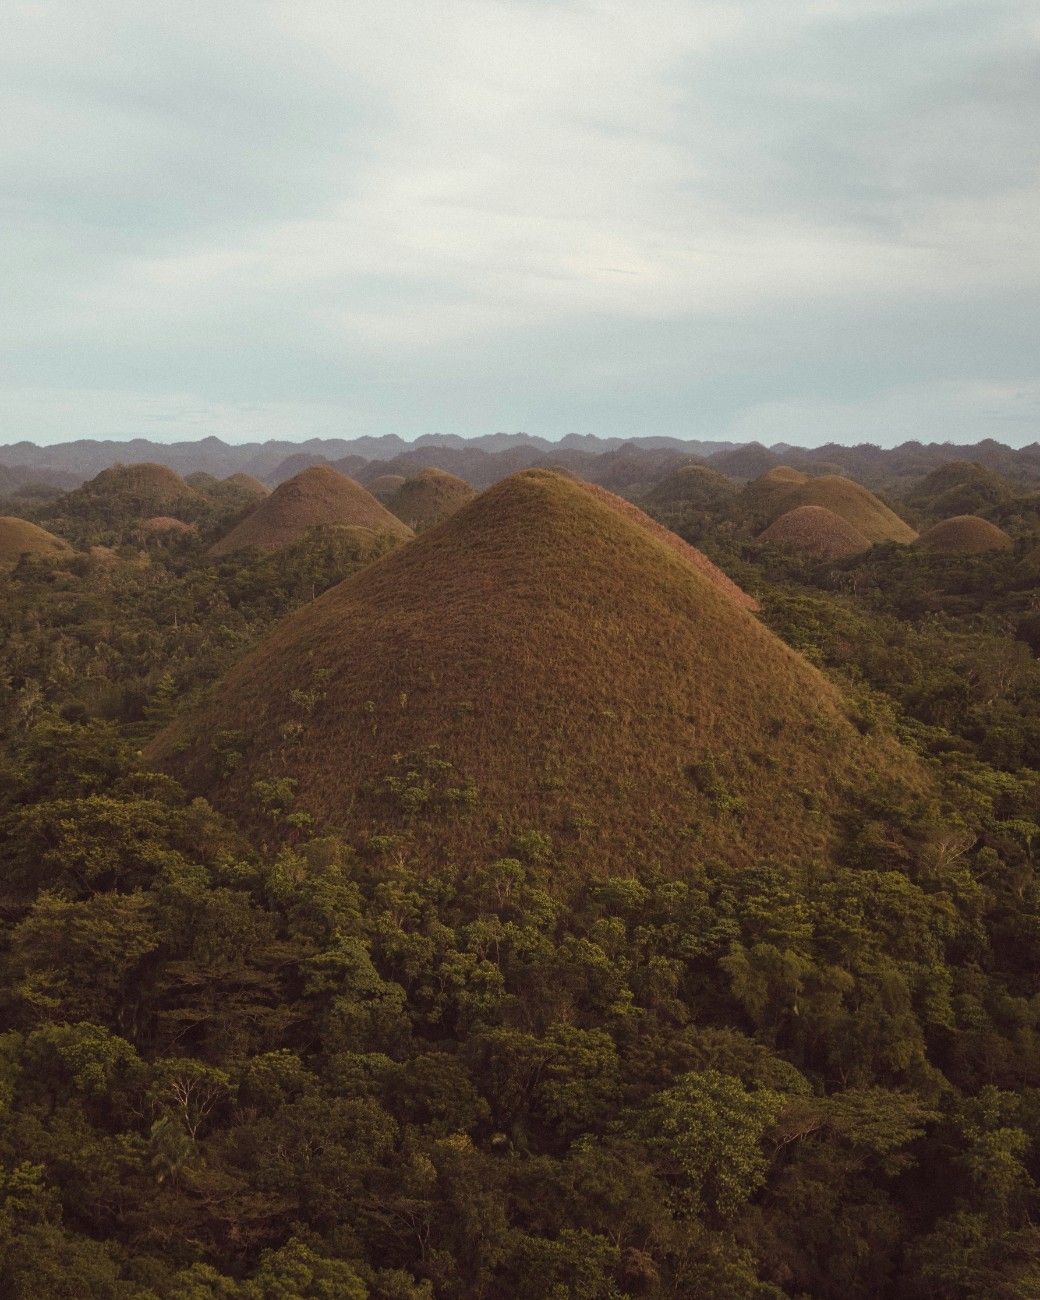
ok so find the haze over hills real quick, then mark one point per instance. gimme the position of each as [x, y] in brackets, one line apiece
[544, 663]
[483, 460]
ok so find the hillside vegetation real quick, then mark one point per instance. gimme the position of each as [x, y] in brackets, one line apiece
[579, 921]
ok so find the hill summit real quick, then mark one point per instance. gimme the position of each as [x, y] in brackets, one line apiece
[544, 672]
[319, 496]
[136, 491]
[964, 535]
[428, 497]
[783, 489]
[816, 530]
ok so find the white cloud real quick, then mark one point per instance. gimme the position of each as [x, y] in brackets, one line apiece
[513, 211]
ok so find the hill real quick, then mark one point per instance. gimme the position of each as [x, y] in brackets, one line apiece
[695, 487]
[543, 673]
[165, 524]
[132, 492]
[816, 530]
[964, 535]
[429, 497]
[960, 487]
[748, 461]
[19, 537]
[319, 496]
[784, 489]
[247, 483]
[384, 486]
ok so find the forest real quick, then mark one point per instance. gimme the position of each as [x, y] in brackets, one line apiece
[258, 1056]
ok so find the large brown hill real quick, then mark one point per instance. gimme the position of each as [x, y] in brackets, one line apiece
[542, 669]
[19, 537]
[428, 497]
[783, 489]
[964, 535]
[816, 530]
[318, 497]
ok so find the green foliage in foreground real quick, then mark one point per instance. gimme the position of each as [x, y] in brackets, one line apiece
[231, 1070]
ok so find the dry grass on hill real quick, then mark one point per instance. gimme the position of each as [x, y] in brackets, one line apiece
[784, 489]
[816, 530]
[165, 524]
[543, 662]
[19, 537]
[247, 483]
[384, 486]
[964, 535]
[320, 496]
[429, 497]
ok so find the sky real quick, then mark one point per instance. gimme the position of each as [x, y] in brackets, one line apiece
[782, 220]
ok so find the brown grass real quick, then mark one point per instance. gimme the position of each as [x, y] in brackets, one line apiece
[429, 497]
[816, 530]
[319, 496]
[247, 483]
[784, 489]
[593, 684]
[696, 559]
[165, 524]
[964, 535]
[19, 537]
[384, 486]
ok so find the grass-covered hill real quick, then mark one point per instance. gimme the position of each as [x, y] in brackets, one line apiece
[960, 487]
[964, 535]
[783, 488]
[817, 531]
[19, 537]
[384, 486]
[127, 493]
[318, 497]
[428, 497]
[693, 487]
[548, 667]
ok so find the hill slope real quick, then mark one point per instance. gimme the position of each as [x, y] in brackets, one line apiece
[816, 530]
[429, 497]
[784, 489]
[19, 537]
[319, 496]
[543, 661]
[964, 535]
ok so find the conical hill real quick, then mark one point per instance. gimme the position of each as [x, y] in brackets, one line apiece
[964, 535]
[693, 487]
[317, 497]
[432, 495]
[542, 672]
[784, 489]
[137, 491]
[19, 537]
[817, 531]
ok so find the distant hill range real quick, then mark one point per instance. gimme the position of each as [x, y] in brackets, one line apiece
[622, 465]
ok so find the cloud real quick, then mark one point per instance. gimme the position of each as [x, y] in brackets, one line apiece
[671, 217]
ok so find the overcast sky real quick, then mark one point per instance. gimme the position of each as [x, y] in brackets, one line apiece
[794, 220]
